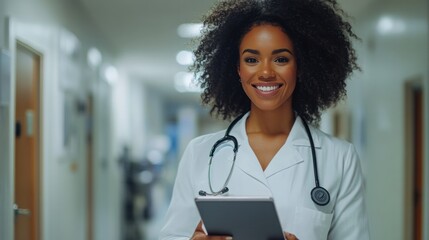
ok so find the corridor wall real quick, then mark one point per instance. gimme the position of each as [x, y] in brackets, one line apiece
[63, 179]
[393, 50]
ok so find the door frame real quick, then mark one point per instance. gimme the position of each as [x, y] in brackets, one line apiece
[409, 86]
[425, 107]
[38, 39]
[38, 130]
[90, 157]
[6, 148]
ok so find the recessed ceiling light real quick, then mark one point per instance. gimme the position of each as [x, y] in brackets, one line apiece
[185, 57]
[111, 74]
[390, 25]
[189, 30]
[94, 57]
[184, 82]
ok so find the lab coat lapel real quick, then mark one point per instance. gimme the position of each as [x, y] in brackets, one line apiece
[289, 155]
[286, 157]
[248, 163]
[246, 158]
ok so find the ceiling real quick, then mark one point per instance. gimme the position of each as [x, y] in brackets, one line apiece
[144, 35]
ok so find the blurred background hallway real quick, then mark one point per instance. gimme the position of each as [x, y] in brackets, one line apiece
[97, 105]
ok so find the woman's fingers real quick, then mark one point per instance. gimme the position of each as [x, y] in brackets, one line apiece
[199, 228]
[290, 236]
[199, 234]
[205, 237]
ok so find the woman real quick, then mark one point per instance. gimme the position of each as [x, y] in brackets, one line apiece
[279, 63]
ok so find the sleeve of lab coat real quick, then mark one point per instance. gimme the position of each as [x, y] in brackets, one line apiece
[350, 219]
[182, 215]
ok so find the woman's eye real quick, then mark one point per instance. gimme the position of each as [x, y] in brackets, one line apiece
[282, 60]
[250, 60]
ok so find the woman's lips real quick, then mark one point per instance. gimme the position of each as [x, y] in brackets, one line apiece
[267, 89]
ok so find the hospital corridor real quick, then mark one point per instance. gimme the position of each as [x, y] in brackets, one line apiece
[97, 106]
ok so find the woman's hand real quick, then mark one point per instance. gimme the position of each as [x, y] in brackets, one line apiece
[290, 236]
[199, 234]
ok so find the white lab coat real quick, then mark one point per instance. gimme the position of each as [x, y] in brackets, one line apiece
[289, 179]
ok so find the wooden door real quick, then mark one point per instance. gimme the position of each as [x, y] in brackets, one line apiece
[418, 164]
[27, 170]
[90, 162]
[414, 167]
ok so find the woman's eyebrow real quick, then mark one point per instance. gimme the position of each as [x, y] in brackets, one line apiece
[282, 50]
[250, 51]
[253, 51]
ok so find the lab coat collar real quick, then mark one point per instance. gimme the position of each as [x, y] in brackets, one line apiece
[286, 157]
[289, 155]
[298, 135]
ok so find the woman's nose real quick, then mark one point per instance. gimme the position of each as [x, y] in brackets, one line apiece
[266, 72]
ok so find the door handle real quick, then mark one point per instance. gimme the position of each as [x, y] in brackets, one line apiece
[20, 211]
[17, 129]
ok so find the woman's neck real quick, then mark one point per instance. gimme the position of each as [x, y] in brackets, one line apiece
[270, 122]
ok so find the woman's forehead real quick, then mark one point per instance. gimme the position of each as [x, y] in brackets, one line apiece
[266, 36]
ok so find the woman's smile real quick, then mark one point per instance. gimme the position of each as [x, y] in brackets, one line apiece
[267, 89]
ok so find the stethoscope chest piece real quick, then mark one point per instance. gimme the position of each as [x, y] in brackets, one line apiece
[320, 196]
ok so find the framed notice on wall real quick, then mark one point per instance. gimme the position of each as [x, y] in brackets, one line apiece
[70, 61]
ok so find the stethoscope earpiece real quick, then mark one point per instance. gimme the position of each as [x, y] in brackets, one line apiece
[204, 193]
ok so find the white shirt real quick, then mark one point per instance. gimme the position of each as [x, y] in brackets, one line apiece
[289, 179]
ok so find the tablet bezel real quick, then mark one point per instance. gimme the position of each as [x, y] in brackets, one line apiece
[232, 216]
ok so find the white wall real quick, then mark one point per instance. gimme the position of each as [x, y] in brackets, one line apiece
[154, 114]
[121, 104]
[5, 132]
[39, 24]
[388, 59]
[146, 113]
[138, 118]
[2, 26]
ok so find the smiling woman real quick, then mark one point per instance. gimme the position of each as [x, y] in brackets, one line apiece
[276, 64]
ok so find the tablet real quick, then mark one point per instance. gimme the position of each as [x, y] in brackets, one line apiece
[243, 218]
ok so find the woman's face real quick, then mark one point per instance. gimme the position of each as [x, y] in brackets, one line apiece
[268, 68]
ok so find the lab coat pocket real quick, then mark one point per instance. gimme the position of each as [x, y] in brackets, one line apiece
[311, 224]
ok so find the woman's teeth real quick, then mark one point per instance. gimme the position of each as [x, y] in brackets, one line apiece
[267, 88]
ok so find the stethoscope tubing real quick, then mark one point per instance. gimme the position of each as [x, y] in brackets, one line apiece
[319, 195]
[313, 154]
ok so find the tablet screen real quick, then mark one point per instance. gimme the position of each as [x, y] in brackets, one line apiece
[244, 218]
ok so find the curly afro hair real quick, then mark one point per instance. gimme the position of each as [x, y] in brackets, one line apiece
[322, 42]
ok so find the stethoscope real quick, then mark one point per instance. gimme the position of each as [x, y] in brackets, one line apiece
[319, 195]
